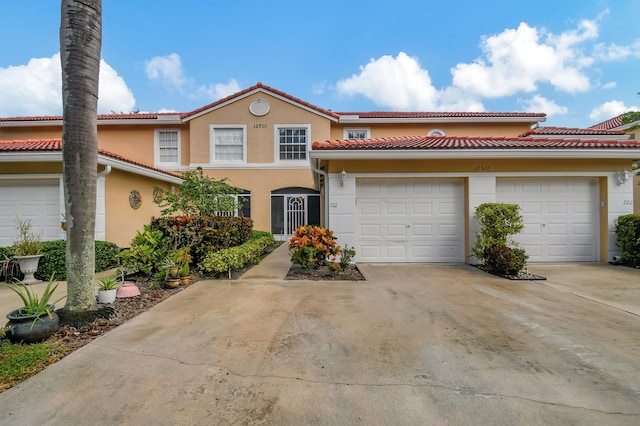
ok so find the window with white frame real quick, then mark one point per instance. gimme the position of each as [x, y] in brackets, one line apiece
[292, 142]
[228, 143]
[361, 133]
[167, 147]
[242, 203]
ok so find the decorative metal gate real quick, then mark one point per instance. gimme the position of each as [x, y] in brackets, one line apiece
[296, 213]
[291, 208]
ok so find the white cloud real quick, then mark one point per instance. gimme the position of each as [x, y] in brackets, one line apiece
[609, 110]
[169, 72]
[541, 104]
[399, 83]
[219, 90]
[36, 89]
[610, 85]
[519, 60]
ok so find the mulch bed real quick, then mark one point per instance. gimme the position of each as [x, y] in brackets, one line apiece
[350, 273]
[522, 275]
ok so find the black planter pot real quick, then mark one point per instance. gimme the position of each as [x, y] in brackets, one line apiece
[22, 329]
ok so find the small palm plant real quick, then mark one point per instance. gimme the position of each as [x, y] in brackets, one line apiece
[34, 305]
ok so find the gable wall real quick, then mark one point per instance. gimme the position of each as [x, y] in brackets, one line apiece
[260, 130]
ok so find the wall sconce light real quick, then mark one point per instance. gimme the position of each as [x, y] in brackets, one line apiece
[343, 177]
[623, 177]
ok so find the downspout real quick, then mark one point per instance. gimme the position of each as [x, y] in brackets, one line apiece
[318, 171]
[106, 171]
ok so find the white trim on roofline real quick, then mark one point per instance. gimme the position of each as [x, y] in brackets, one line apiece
[303, 164]
[56, 156]
[476, 153]
[253, 92]
[351, 119]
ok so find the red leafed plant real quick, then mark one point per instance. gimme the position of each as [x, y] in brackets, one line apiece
[311, 246]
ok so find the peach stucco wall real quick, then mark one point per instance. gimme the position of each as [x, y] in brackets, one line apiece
[381, 130]
[122, 221]
[260, 130]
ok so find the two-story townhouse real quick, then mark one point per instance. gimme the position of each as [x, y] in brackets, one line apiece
[362, 180]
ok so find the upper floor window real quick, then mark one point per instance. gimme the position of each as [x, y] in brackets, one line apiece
[167, 148]
[228, 143]
[292, 142]
[363, 133]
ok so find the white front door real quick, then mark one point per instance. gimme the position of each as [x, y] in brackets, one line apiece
[410, 220]
[560, 217]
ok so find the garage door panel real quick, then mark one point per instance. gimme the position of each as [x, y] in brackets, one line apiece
[423, 222]
[422, 209]
[38, 201]
[560, 216]
[422, 230]
[396, 209]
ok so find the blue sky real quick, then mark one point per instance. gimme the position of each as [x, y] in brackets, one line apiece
[577, 61]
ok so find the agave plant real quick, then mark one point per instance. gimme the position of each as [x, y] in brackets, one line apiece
[34, 305]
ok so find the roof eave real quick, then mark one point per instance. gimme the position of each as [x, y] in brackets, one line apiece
[406, 154]
[529, 120]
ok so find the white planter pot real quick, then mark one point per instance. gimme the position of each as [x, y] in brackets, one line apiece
[107, 296]
[29, 266]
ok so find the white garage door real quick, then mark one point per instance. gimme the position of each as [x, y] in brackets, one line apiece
[410, 220]
[560, 217]
[35, 200]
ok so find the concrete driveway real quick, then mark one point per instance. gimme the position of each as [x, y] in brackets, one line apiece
[412, 345]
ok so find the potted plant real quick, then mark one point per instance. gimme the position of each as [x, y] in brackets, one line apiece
[185, 278]
[37, 319]
[172, 273]
[107, 289]
[27, 250]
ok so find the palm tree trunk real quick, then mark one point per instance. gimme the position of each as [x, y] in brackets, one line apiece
[80, 45]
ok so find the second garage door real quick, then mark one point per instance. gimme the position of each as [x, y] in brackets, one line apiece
[560, 217]
[410, 220]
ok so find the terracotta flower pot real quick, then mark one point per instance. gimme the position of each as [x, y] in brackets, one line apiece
[172, 282]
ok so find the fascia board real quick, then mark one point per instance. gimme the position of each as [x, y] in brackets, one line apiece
[30, 156]
[472, 154]
[531, 120]
[132, 168]
[253, 92]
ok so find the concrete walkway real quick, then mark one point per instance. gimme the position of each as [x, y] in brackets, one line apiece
[414, 344]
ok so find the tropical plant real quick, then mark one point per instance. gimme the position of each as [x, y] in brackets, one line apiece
[628, 237]
[505, 260]
[200, 195]
[80, 46]
[34, 305]
[148, 251]
[107, 283]
[498, 223]
[311, 245]
[28, 242]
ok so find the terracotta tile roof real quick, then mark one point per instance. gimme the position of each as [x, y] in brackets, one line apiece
[611, 123]
[456, 142]
[139, 116]
[408, 114]
[256, 87]
[550, 130]
[44, 145]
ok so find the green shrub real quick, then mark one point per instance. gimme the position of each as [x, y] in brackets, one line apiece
[498, 223]
[204, 234]
[628, 237]
[505, 260]
[234, 258]
[54, 259]
[311, 245]
[148, 250]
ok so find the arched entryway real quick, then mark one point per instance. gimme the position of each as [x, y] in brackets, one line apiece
[292, 207]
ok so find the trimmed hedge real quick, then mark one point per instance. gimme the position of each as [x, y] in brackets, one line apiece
[628, 238]
[234, 258]
[54, 257]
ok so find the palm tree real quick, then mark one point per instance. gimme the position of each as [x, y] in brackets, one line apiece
[80, 45]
